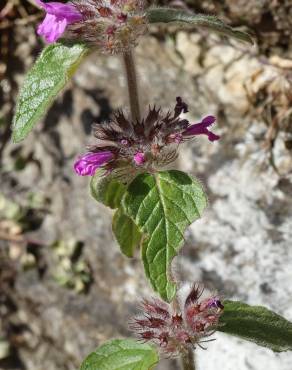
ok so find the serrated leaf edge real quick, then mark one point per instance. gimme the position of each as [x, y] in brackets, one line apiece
[19, 135]
[145, 236]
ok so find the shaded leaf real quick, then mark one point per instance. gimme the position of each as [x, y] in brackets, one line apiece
[169, 15]
[126, 233]
[162, 205]
[121, 354]
[106, 190]
[257, 324]
[50, 73]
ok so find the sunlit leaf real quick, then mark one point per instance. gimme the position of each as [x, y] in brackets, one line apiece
[121, 354]
[50, 73]
[162, 205]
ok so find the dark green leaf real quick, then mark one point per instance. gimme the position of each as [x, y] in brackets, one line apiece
[169, 15]
[50, 73]
[106, 190]
[126, 233]
[257, 324]
[121, 354]
[162, 205]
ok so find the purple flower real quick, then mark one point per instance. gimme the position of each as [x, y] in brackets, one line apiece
[58, 16]
[87, 164]
[139, 158]
[202, 129]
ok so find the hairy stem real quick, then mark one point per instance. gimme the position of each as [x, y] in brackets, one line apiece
[187, 358]
[132, 85]
[188, 361]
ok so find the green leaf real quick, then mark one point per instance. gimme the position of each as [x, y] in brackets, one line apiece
[169, 15]
[126, 233]
[121, 354]
[162, 205]
[106, 190]
[50, 73]
[256, 324]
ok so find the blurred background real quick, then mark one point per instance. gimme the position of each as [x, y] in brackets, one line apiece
[64, 286]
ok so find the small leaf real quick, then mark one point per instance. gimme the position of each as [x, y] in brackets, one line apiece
[257, 324]
[106, 190]
[169, 15]
[121, 354]
[126, 233]
[50, 73]
[162, 205]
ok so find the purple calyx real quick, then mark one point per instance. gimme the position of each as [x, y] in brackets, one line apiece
[58, 17]
[87, 164]
[201, 128]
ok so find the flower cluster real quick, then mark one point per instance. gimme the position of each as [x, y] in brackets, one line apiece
[146, 145]
[175, 332]
[113, 26]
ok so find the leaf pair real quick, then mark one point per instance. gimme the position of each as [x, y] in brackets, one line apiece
[154, 210]
[160, 206]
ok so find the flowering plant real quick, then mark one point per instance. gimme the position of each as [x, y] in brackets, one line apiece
[128, 164]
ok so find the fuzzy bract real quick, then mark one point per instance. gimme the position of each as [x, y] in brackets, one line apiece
[112, 26]
[177, 330]
[147, 145]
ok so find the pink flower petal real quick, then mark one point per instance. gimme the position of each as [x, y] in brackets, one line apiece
[58, 16]
[52, 28]
[209, 120]
[139, 158]
[201, 129]
[87, 164]
[61, 10]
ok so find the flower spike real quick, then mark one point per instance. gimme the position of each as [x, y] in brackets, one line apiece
[177, 330]
[146, 145]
